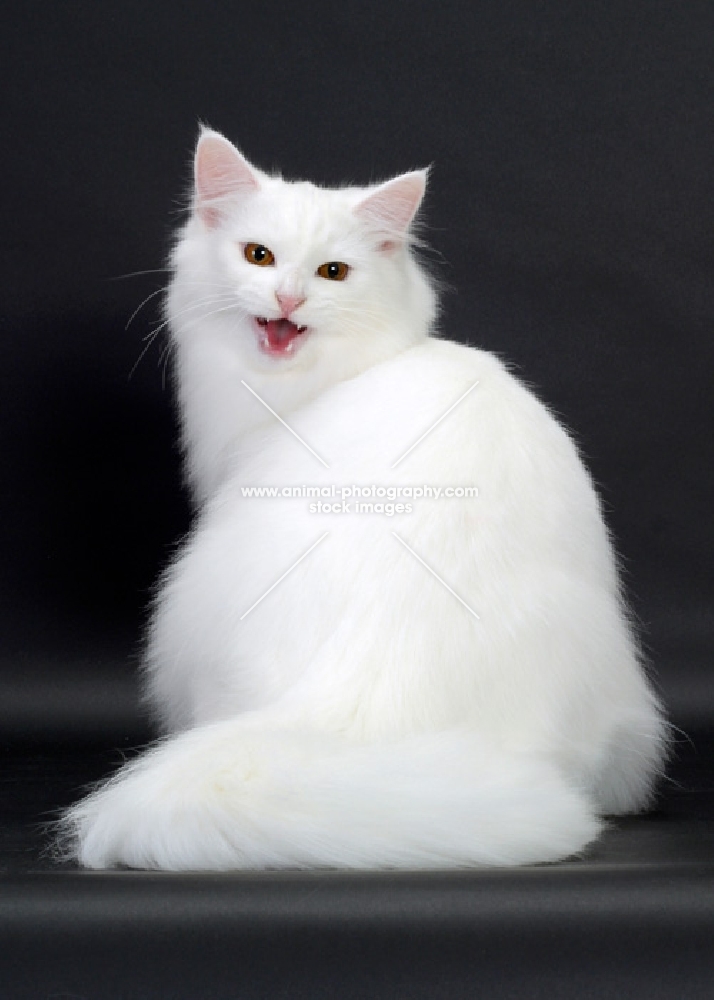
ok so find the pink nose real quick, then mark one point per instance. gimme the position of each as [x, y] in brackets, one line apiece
[289, 303]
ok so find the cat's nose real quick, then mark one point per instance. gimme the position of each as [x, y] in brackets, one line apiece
[289, 303]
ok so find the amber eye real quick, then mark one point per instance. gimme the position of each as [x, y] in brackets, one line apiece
[334, 270]
[256, 253]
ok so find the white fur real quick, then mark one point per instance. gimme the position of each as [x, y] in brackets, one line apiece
[360, 715]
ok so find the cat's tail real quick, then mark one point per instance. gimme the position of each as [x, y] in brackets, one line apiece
[226, 796]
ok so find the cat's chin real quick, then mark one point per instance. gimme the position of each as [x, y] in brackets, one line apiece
[279, 338]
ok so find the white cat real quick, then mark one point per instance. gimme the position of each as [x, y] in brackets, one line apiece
[449, 683]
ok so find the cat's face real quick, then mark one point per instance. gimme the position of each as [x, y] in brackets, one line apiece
[300, 263]
[301, 270]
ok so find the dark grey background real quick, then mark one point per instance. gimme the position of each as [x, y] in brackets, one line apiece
[570, 210]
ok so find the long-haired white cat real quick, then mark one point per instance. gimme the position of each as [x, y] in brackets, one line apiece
[426, 682]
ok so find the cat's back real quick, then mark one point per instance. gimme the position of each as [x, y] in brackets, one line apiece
[438, 406]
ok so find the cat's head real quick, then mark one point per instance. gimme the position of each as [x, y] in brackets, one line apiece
[294, 275]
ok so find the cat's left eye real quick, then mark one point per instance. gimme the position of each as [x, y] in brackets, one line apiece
[334, 270]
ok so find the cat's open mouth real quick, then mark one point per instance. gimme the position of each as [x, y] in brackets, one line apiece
[278, 337]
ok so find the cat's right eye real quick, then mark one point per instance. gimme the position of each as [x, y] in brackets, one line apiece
[256, 253]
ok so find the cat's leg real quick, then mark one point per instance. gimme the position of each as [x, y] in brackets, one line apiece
[232, 795]
[214, 410]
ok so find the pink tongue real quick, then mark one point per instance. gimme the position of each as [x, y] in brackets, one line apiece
[280, 332]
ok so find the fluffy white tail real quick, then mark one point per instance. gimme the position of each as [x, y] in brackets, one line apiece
[229, 796]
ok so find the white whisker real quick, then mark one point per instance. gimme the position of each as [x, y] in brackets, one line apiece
[139, 359]
[141, 305]
[201, 304]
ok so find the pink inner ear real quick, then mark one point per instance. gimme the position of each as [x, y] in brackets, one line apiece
[392, 206]
[219, 171]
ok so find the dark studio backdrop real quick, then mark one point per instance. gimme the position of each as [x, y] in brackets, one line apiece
[571, 211]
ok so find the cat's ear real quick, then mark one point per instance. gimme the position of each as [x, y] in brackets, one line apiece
[389, 209]
[221, 174]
